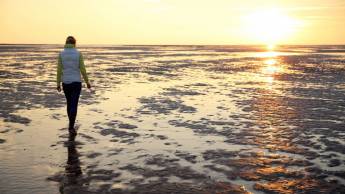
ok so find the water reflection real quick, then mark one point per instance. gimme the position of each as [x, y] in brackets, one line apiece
[268, 54]
[270, 62]
[272, 114]
[271, 67]
[271, 110]
[72, 170]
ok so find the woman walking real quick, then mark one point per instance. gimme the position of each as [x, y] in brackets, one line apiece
[70, 66]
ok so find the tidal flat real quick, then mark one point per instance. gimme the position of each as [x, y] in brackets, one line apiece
[176, 119]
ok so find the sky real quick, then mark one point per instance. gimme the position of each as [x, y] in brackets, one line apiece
[224, 22]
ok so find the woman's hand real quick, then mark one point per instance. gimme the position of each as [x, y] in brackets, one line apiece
[58, 88]
[88, 85]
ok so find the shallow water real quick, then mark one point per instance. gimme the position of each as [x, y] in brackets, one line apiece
[183, 119]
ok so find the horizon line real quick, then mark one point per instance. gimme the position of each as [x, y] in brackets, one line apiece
[109, 44]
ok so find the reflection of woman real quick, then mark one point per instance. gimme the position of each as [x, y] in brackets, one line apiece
[70, 65]
[73, 169]
[71, 181]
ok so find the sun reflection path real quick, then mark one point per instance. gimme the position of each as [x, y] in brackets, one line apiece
[271, 67]
[268, 54]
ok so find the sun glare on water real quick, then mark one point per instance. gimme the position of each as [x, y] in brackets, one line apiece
[271, 47]
[271, 67]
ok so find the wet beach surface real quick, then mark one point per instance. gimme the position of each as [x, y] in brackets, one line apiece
[176, 119]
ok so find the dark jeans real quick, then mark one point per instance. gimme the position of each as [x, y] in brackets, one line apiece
[72, 93]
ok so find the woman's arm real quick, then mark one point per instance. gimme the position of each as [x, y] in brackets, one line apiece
[83, 70]
[59, 73]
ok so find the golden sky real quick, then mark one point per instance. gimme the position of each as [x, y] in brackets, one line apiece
[173, 21]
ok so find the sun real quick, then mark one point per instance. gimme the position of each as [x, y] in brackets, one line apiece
[270, 27]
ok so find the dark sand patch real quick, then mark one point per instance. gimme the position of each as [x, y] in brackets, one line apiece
[159, 187]
[127, 126]
[109, 128]
[17, 119]
[115, 151]
[120, 135]
[162, 105]
[187, 156]
[196, 126]
[180, 92]
[93, 155]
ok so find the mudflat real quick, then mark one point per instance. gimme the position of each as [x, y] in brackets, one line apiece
[176, 119]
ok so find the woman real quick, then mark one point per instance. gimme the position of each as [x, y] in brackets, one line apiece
[70, 65]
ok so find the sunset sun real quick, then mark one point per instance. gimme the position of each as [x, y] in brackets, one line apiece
[270, 27]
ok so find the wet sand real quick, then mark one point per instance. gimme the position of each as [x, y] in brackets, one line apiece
[176, 119]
